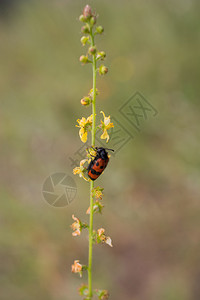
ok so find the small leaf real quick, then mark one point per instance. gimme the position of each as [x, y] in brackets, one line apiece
[84, 268]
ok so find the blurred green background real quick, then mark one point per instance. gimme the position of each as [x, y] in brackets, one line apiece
[152, 192]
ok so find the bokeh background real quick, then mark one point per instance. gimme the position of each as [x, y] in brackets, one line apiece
[152, 193]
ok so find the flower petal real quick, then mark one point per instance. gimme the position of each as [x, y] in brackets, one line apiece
[108, 241]
[90, 118]
[103, 114]
[104, 135]
[83, 136]
[76, 170]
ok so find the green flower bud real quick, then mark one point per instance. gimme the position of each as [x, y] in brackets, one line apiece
[103, 70]
[91, 93]
[93, 20]
[85, 101]
[85, 29]
[84, 59]
[84, 40]
[92, 50]
[87, 11]
[99, 29]
[101, 55]
[82, 18]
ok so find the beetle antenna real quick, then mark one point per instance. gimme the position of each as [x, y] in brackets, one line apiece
[110, 149]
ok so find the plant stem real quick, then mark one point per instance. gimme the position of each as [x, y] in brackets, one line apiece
[90, 243]
[92, 182]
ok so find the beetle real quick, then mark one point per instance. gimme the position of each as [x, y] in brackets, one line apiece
[99, 163]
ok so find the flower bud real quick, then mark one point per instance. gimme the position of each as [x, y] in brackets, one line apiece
[84, 40]
[84, 59]
[103, 70]
[87, 11]
[92, 50]
[93, 20]
[91, 93]
[99, 29]
[85, 29]
[82, 18]
[101, 55]
[85, 101]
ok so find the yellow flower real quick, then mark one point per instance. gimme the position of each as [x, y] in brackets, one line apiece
[76, 226]
[77, 267]
[81, 170]
[77, 170]
[84, 124]
[105, 125]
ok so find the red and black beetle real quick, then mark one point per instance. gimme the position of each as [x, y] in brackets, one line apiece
[99, 163]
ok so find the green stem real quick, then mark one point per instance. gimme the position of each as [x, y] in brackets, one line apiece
[92, 182]
[90, 243]
[94, 67]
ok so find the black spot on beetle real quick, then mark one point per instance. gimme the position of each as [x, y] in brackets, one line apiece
[95, 172]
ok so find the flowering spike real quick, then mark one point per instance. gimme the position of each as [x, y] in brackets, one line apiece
[86, 125]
